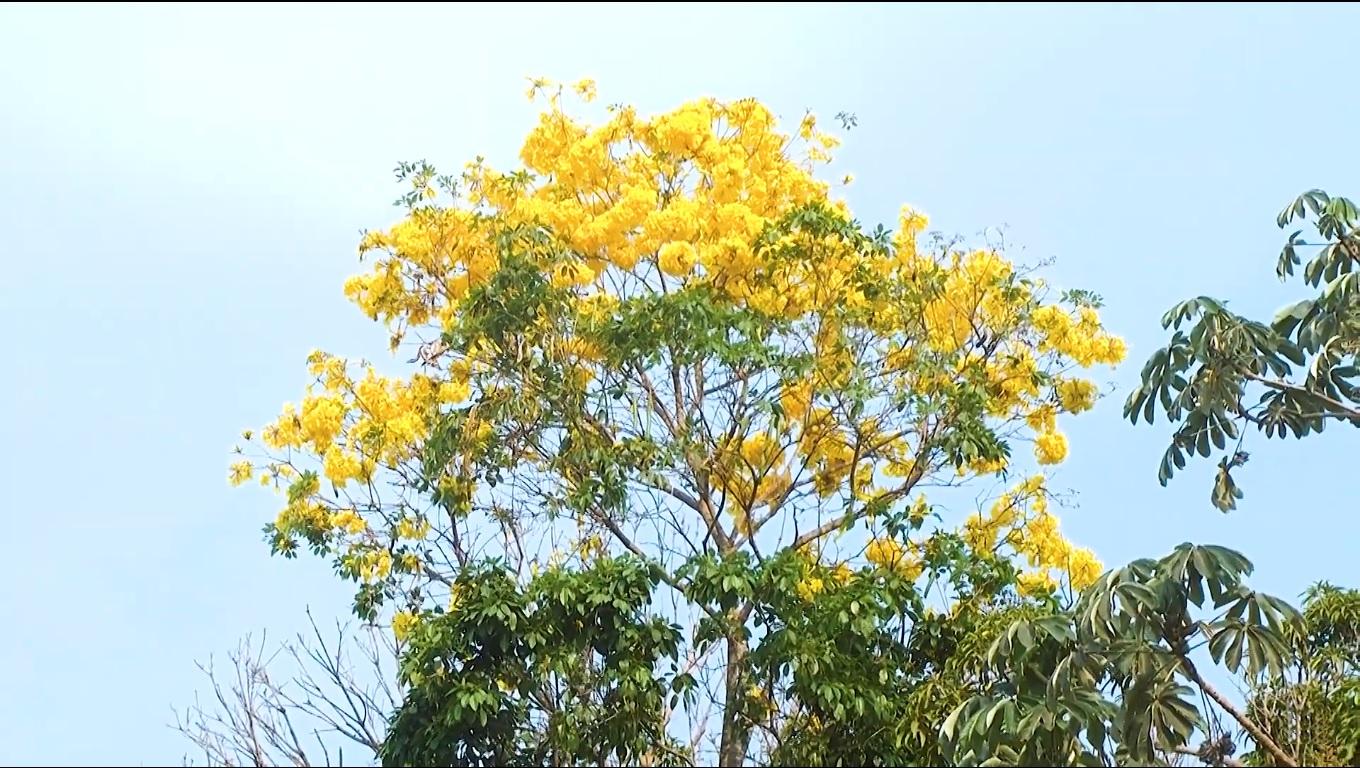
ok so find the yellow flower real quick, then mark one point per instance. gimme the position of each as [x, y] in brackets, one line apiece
[890, 554]
[241, 471]
[982, 467]
[1042, 419]
[585, 89]
[1036, 583]
[762, 452]
[340, 466]
[796, 398]
[375, 566]
[842, 573]
[978, 534]
[403, 623]
[572, 273]
[349, 522]
[1083, 568]
[590, 547]
[454, 391]
[456, 595]
[807, 126]
[1076, 395]
[809, 588]
[411, 529]
[885, 553]
[322, 419]
[1050, 448]
[919, 509]
[677, 259]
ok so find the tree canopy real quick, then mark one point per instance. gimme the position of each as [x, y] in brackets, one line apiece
[690, 466]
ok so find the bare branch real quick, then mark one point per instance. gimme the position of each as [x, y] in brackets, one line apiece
[253, 719]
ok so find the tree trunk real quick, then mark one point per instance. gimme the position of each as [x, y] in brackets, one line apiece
[735, 733]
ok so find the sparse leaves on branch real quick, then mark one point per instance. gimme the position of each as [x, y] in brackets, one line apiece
[1222, 373]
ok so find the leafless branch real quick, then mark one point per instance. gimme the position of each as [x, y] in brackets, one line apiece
[263, 714]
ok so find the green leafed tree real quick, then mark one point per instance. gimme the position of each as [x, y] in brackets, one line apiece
[1113, 681]
[1222, 375]
[1312, 706]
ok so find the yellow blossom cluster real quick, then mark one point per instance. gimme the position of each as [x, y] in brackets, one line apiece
[891, 555]
[371, 565]
[403, 623]
[1021, 520]
[682, 195]
[817, 578]
[752, 476]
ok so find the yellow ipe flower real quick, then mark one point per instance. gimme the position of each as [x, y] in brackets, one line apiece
[456, 596]
[677, 259]
[1050, 448]
[890, 554]
[842, 573]
[241, 471]
[1036, 583]
[348, 521]
[1083, 568]
[402, 625]
[1076, 395]
[809, 588]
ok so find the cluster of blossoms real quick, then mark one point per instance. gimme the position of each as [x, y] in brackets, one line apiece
[711, 202]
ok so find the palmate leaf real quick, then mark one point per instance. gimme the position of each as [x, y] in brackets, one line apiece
[1137, 598]
[1156, 712]
[1289, 318]
[1172, 460]
[1162, 380]
[1199, 567]
[1173, 716]
[1289, 258]
[1313, 199]
[1258, 627]
[1264, 650]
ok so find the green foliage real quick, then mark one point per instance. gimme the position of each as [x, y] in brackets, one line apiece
[1314, 706]
[1221, 372]
[569, 669]
[562, 671]
[1111, 680]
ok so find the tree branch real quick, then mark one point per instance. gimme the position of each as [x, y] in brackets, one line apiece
[1257, 733]
[1230, 762]
[1343, 410]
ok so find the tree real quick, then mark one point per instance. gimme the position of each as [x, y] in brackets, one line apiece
[655, 493]
[329, 708]
[1313, 705]
[1112, 681]
[1299, 369]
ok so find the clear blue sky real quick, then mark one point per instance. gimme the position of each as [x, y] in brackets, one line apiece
[181, 190]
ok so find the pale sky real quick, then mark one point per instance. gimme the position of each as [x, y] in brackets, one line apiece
[181, 190]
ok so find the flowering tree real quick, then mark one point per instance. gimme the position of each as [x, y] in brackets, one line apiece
[655, 489]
